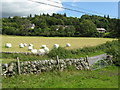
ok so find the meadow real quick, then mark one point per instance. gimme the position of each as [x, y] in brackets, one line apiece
[103, 78]
[76, 42]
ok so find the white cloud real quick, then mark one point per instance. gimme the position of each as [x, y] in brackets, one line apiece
[26, 7]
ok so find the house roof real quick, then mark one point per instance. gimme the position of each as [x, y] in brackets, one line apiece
[101, 29]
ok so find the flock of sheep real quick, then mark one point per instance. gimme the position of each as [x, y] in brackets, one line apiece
[44, 49]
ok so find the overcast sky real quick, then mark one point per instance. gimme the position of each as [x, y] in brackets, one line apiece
[27, 7]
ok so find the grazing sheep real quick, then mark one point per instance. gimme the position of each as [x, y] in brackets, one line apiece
[8, 45]
[30, 48]
[46, 49]
[68, 45]
[34, 51]
[41, 51]
[55, 45]
[21, 45]
[25, 44]
[43, 46]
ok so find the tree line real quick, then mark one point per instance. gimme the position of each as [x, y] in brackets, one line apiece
[61, 26]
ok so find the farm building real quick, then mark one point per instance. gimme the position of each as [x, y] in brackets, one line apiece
[32, 26]
[63, 26]
[101, 30]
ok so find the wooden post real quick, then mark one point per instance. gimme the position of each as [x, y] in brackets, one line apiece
[87, 60]
[58, 62]
[57, 57]
[18, 64]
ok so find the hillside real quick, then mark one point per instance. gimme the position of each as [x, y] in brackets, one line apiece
[61, 26]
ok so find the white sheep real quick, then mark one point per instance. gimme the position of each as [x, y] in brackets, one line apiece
[25, 44]
[41, 51]
[34, 51]
[30, 48]
[43, 46]
[8, 45]
[68, 45]
[21, 45]
[56, 46]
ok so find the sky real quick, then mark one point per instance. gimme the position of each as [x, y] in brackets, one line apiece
[92, 7]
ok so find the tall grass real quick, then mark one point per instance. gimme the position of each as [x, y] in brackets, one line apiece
[103, 78]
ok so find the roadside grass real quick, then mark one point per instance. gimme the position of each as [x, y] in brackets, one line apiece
[103, 78]
[76, 42]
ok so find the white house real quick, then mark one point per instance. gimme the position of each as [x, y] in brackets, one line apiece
[101, 30]
[33, 26]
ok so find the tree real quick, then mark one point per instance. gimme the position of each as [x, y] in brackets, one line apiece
[108, 17]
[30, 15]
[83, 17]
[69, 31]
[9, 30]
[64, 15]
[88, 28]
[84, 26]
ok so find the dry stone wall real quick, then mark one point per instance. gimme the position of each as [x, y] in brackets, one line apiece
[40, 66]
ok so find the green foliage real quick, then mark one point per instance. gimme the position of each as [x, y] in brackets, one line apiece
[115, 51]
[61, 52]
[70, 26]
[22, 57]
[88, 28]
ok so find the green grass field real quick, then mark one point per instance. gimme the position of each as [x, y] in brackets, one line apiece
[76, 42]
[103, 78]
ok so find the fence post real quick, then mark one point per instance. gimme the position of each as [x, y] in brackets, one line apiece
[18, 64]
[57, 57]
[87, 60]
[58, 62]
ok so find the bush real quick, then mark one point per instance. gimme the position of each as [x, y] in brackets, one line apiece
[23, 57]
[61, 52]
[115, 51]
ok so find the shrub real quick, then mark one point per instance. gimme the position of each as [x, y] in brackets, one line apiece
[61, 52]
[115, 51]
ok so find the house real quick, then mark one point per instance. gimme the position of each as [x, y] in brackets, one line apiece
[32, 26]
[64, 26]
[101, 30]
